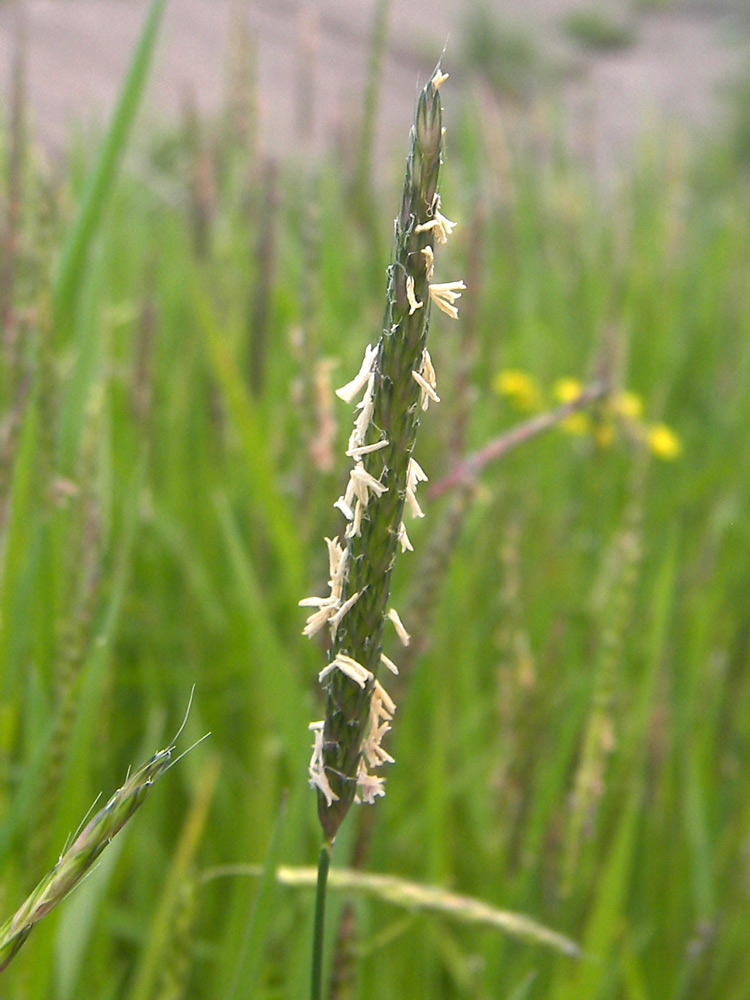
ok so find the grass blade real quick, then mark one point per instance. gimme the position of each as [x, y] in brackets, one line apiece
[71, 267]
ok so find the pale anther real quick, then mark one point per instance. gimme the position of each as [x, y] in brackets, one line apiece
[386, 661]
[401, 632]
[414, 303]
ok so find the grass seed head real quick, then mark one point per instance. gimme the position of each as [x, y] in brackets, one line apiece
[87, 845]
[397, 379]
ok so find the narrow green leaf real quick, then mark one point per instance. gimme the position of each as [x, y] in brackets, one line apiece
[271, 663]
[98, 191]
[245, 975]
[266, 498]
[158, 937]
[415, 897]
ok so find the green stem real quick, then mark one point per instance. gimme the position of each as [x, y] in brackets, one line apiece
[324, 863]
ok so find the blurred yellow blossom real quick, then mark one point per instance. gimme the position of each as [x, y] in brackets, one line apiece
[519, 387]
[663, 442]
[628, 404]
[565, 390]
[624, 410]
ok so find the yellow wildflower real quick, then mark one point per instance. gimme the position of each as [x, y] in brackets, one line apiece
[663, 442]
[565, 390]
[628, 404]
[519, 387]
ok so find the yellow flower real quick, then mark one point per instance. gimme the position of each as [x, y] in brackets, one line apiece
[565, 390]
[628, 404]
[663, 442]
[519, 387]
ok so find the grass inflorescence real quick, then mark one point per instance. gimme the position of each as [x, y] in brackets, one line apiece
[77, 859]
[396, 382]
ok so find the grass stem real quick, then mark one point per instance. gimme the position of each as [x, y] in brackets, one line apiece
[324, 863]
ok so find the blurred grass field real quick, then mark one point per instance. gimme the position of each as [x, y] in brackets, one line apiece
[573, 727]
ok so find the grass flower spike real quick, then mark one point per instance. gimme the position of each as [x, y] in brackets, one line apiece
[395, 384]
[87, 845]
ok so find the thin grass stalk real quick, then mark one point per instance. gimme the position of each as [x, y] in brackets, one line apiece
[239, 132]
[75, 645]
[363, 173]
[306, 52]
[14, 381]
[613, 602]
[243, 968]
[14, 196]
[465, 355]
[142, 382]
[469, 468]
[48, 399]
[81, 566]
[159, 940]
[343, 974]
[71, 267]
[201, 180]
[515, 694]
[259, 313]
[175, 973]
[312, 393]
[319, 927]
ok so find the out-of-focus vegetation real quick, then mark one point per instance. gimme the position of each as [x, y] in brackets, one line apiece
[572, 740]
[598, 28]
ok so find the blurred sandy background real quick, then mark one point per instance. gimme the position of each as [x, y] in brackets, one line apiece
[619, 67]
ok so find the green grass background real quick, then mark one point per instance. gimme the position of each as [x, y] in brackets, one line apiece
[572, 735]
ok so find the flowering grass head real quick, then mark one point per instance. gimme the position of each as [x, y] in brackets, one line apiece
[394, 386]
[87, 845]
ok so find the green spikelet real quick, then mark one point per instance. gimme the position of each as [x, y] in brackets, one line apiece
[83, 852]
